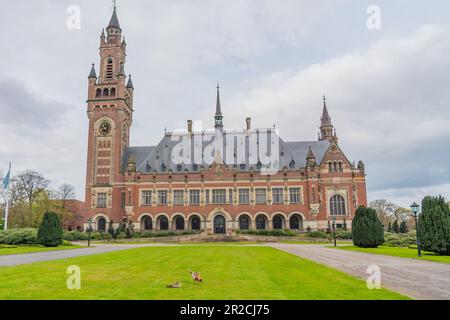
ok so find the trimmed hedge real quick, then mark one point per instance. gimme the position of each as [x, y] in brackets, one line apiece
[18, 236]
[272, 233]
[400, 239]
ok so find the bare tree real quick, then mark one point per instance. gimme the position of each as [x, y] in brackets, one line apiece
[31, 184]
[65, 192]
[385, 210]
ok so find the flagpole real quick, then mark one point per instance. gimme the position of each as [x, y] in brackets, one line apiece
[5, 227]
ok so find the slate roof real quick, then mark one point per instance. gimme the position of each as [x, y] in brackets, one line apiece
[114, 22]
[293, 155]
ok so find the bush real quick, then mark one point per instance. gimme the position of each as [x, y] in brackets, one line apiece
[50, 232]
[434, 225]
[343, 235]
[317, 234]
[367, 230]
[121, 235]
[18, 236]
[75, 236]
[400, 240]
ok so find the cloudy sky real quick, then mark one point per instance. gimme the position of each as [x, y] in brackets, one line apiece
[388, 89]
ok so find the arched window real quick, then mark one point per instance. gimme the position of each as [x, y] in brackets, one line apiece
[98, 93]
[113, 92]
[260, 223]
[195, 223]
[179, 223]
[219, 225]
[335, 168]
[330, 167]
[277, 222]
[244, 223]
[337, 205]
[101, 224]
[296, 222]
[105, 92]
[163, 223]
[147, 223]
[109, 70]
[340, 167]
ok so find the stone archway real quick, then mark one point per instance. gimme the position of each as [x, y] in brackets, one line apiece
[219, 224]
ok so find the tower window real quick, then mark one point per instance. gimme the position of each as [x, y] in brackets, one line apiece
[105, 92]
[98, 93]
[113, 92]
[109, 70]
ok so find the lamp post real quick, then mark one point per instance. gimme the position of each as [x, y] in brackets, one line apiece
[334, 230]
[415, 210]
[89, 232]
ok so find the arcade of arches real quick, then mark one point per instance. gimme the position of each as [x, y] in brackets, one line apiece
[219, 224]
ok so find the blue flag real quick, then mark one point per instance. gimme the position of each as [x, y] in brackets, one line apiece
[5, 180]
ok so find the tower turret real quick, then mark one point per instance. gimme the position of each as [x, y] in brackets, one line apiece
[218, 117]
[326, 127]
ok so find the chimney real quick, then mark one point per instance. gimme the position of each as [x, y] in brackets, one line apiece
[249, 123]
[189, 125]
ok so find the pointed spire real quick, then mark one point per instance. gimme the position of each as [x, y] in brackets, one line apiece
[93, 74]
[310, 155]
[130, 83]
[124, 43]
[218, 117]
[103, 33]
[114, 22]
[326, 119]
[218, 107]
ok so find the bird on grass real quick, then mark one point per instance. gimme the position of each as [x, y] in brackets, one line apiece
[196, 276]
[175, 285]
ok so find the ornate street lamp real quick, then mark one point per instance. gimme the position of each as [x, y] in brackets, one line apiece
[89, 230]
[334, 230]
[415, 210]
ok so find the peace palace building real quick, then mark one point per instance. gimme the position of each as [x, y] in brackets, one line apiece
[314, 182]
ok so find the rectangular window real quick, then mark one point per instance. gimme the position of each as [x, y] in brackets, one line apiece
[261, 197]
[122, 200]
[101, 200]
[194, 197]
[146, 197]
[230, 196]
[294, 195]
[207, 196]
[219, 196]
[162, 197]
[277, 195]
[244, 196]
[178, 197]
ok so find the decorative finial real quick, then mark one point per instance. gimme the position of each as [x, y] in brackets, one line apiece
[324, 99]
[218, 85]
[115, 5]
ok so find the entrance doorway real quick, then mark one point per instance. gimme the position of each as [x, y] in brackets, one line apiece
[219, 225]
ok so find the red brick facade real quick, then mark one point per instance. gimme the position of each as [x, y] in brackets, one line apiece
[314, 183]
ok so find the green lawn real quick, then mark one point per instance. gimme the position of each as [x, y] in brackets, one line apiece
[400, 252]
[6, 250]
[241, 272]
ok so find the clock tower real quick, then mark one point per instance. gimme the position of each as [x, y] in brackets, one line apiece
[110, 114]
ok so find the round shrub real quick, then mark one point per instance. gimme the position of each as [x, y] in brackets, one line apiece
[50, 232]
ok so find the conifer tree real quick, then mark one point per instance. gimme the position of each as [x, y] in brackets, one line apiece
[367, 230]
[50, 232]
[395, 227]
[403, 227]
[434, 225]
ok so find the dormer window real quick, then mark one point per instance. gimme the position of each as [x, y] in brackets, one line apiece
[163, 167]
[195, 167]
[148, 168]
[179, 167]
[292, 164]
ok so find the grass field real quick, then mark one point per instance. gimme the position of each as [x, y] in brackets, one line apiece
[20, 249]
[241, 272]
[400, 252]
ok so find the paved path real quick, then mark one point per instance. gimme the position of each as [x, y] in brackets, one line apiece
[17, 259]
[418, 279]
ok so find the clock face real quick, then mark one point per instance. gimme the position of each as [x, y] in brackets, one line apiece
[105, 128]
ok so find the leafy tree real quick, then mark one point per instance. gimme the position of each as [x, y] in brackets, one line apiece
[50, 232]
[389, 227]
[395, 227]
[367, 230]
[129, 230]
[31, 184]
[403, 227]
[384, 209]
[434, 225]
